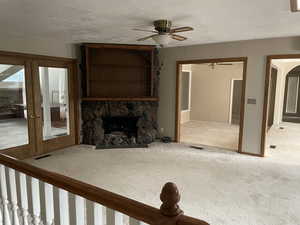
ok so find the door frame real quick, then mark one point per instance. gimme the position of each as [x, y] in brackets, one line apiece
[273, 68]
[45, 146]
[26, 151]
[266, 97]
[23, 149]
[214, 60]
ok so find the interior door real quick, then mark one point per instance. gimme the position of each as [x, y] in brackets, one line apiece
[54, 105]
[16, 107]
[272, 97]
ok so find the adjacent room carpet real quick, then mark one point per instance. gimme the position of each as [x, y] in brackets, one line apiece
[221, 187]
[217, 134]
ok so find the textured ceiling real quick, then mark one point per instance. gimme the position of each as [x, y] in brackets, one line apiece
[112, 21]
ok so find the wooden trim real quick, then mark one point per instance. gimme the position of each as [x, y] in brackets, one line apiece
[216, 60]
[266, 97]
[153, 99]
[23, 151]
[32, 94]
[119, 46]
[202, 61]
[294, 6]
[45, 146]
[284, 56]
[132, 208]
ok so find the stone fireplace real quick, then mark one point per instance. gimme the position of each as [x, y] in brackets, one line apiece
[121, 124]
[120, 95]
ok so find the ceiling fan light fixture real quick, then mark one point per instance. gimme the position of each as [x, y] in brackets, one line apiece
[162, 39]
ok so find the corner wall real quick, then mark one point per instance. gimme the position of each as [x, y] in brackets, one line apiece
[255, 50]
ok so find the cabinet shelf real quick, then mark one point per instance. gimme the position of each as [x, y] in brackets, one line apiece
[118, 70]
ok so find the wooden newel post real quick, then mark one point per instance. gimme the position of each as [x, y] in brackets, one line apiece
[170, 197]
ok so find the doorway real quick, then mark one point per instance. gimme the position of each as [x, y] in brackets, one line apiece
[210, 102]
[281, 118]
[37, 104]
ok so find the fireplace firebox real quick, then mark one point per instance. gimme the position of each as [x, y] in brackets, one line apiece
[126, 125]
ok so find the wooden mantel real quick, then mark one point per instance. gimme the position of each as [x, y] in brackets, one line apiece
[149, 99]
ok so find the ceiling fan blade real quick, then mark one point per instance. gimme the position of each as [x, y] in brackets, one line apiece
[151, 31]
[178, 37]
[181, 29]
[148, 37]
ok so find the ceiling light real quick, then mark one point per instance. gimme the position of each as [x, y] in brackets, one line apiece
[162, 39]
[295, 5]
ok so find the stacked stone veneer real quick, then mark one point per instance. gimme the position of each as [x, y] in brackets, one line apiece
[92, 124]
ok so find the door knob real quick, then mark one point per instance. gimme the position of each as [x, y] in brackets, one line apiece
[31, 116]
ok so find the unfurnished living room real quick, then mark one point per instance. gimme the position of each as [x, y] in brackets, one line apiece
[150, 112]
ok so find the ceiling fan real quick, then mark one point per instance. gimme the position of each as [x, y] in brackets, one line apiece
[163, 32]
[213, 65]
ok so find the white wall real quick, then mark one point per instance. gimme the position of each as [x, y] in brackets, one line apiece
[185, 116]
[255, 50]
[49, 47]
[211, 91]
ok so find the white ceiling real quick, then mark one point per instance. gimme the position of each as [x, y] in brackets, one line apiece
[112, 21]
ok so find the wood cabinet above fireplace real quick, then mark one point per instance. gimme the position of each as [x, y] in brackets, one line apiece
[118, 72]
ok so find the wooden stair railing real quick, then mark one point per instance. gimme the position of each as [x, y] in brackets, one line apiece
[22, 195]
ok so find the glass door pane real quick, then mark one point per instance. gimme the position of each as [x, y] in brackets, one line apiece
[13, 107]
[54, 102]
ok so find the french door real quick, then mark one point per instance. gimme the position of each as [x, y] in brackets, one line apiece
[37, 105]
[53, 105]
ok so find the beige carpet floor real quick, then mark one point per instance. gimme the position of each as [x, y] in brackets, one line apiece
[286, 138]
[207, 133]
[221, 187]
